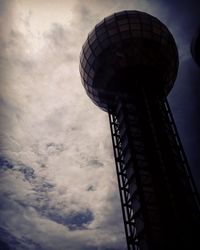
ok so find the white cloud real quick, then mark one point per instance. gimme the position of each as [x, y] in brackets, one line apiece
[49, 124]
[29, 202]
[60, 134]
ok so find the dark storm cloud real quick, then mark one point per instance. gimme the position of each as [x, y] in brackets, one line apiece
[39, 187]
[27, 172]
[8, 240]
[74, 221]
[184, 19]
[3, 245]
[14, 243]
[39, 200]
[185, 104]
[185, 12]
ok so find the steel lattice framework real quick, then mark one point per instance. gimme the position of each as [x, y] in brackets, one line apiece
[140, 205]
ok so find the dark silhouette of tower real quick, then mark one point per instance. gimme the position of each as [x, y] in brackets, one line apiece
[129, 63]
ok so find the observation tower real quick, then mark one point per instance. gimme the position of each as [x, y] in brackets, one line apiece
[129, 63]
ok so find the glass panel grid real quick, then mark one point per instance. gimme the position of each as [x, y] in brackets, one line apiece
[122, 26]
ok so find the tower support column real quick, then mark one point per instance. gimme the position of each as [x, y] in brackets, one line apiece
[158, 195]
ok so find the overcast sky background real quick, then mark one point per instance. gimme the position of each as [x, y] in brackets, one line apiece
[58, 187]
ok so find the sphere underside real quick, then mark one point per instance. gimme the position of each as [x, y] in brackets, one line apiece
[126, 51]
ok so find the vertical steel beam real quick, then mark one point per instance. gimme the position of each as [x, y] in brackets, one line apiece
[149, 161]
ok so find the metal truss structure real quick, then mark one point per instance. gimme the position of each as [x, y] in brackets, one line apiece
[158, 195]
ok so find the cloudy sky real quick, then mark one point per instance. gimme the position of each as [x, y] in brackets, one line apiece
[58, 188]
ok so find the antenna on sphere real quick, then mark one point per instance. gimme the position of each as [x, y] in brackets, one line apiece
[129, 64]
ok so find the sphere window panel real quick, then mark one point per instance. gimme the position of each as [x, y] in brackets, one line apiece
[145, 20]
[94, 45]
[86, 47]
[136, 33]
[135, 26]
[97, 51]
[112, 32]
[85, 77]
[156, 38]
[111, 26]
[92, 37]
[163, 41]
[146, 34]
[91, 73]
[87, 68]
[100, 30]
[103, 37]
[81, 70]
[90, 89]
[91, 59]
[90, 81]
[84, 62]
[124, 28]
[88, 53]
[156, 30]
[105, 43]
[81, 57]
[120, 14]
[125, 35]
[146, 27]
[134, 20]
[167, 38]
[115, 39]
[157, 25]
[96, 65]
[99, 24]
[122, 22]
[109, 19]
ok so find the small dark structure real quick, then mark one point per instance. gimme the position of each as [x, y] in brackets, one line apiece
[195, 47]
[129, 63]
